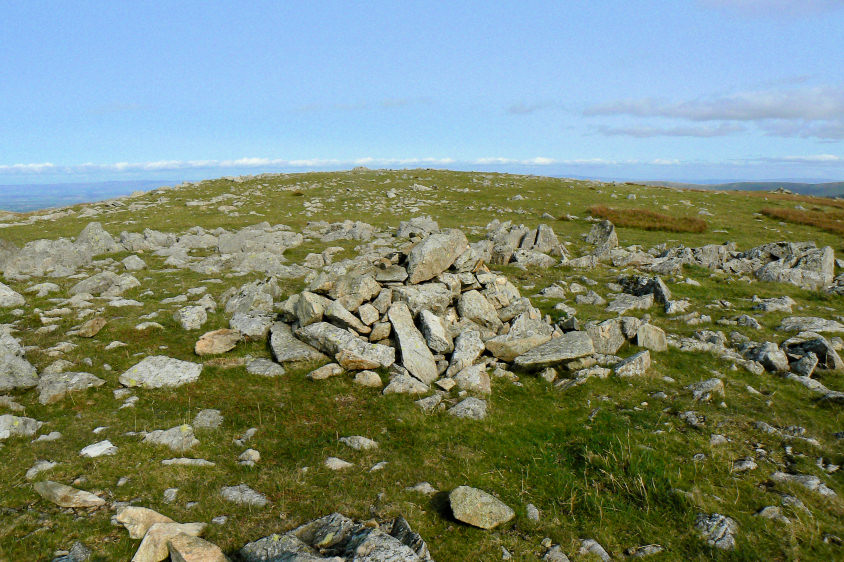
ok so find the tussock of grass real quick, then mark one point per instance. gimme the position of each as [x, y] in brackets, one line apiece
[648, 220]
[832, 221]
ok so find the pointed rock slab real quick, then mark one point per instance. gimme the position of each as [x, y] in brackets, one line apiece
[635, 365]
[287, 349]
[437, 337]
[478, 508]
[416, 357]
[217, 342]
[159, 371]
[570, 345]
[138, 520]
[9, 298]
[474, 306]
[435, 254]
[186, 548]
[350, 351]
[65, 496]
[468, 346]
[154, 546]
[338, 315]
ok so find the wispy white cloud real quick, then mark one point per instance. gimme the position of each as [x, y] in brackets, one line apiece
[805, 159]
[704, 131]
[832, 130]
[811, 104]
[238, 163]
[258, 165]
[773, 8]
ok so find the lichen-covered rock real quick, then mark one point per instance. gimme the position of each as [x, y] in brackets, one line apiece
[478, 508]
[435, 254]
[17, 426]
[717, 530]
[179, 438]
[159, 371]
[53, 387]
[416, 357]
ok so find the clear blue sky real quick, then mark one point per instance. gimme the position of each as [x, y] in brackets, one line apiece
[675, 89]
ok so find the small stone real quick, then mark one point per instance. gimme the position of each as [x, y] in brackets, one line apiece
[359, 443]
[208, 419]
[717, 530]
[471, 408]
[368, 378]
[333, 463]
[326, 371]
[38, 467]
[243, 494]
[103, 448]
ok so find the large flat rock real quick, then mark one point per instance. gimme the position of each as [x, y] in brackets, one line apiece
[570, 345]
[159, 371]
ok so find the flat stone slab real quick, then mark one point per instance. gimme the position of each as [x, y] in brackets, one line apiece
[65, 496]
[159, 371]
[570, 345]
[810, 324]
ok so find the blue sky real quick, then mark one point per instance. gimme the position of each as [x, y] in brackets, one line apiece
[680, 89]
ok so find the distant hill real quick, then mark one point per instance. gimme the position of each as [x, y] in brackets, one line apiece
[828, 189]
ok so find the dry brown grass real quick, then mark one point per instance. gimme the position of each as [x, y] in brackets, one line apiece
[830, 221]
[648, 220]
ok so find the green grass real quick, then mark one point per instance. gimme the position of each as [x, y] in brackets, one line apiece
[602, 461]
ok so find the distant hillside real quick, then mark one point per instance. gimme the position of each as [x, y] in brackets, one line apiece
[829, 189]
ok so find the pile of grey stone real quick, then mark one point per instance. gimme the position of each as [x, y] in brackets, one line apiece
[433, 316]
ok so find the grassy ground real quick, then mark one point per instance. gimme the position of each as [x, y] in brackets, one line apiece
[604, 460]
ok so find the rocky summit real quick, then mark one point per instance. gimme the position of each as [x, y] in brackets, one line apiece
[422, 365]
